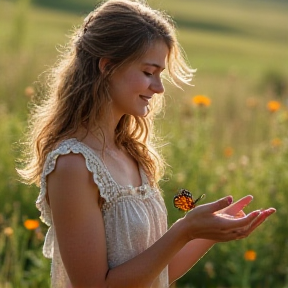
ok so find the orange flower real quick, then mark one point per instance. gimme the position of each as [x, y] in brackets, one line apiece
[31, 224]
[250, 255]
[228, 152]
[273, 106]
[201, 100]
[276, 142]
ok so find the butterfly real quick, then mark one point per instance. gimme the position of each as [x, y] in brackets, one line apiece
[184, 200]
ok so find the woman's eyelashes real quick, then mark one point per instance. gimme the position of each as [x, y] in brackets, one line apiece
[147, 73]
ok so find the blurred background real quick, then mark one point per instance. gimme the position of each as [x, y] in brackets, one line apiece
[226, 135]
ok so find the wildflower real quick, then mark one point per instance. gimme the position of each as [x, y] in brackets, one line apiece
[276, 142]
[232, 167]
[8, 231]
[201, 100]
[273, 106]
[244, 161]
[250, 255]
[31, 224]
[209, 269]
[29, 91]
[180, 177]
[39, 235]
[228, 152]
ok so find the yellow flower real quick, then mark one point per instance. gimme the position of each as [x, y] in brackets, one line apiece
[31, 224]
[276, 142]
[250, 255]
[201, 100]
[244, 160]
[273, 106]
[180, 177]
[8, 231]
[232, 167]
[228, 152]
[209, 269]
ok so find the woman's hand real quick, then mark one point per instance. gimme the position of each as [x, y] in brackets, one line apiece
[236, 208]
[222, 221]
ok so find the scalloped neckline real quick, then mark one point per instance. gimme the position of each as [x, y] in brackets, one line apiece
[129, 186]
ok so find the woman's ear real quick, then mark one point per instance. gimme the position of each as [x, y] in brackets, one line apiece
[103, 64]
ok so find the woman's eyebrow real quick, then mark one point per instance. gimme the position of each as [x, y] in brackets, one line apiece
[155, 65]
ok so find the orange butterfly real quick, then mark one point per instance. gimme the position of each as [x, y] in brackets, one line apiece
[184, 200]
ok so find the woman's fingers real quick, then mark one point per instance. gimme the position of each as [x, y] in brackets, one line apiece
[262, 217]
[236, 207]
[243, 222]
[241, 228]
[219, 227]
[218, 205]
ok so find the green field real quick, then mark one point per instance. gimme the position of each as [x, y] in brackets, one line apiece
[234, 146]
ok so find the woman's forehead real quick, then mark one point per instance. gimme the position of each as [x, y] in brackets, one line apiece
[156, 55]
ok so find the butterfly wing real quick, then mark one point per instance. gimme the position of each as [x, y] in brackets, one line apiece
[184, 200]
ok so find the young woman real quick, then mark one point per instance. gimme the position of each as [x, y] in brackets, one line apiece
[92, 154]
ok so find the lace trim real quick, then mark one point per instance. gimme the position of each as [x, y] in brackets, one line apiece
[109, 189]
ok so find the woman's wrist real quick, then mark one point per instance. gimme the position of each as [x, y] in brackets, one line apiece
[188, 232]
[183, 230]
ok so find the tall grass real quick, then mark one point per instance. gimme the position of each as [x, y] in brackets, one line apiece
[234, 146]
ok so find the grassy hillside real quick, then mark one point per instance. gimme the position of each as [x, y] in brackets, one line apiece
[248, 36]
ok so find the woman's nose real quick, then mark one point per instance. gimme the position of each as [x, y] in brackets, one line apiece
[157, 86]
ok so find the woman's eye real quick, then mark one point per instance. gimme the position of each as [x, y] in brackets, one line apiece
[147, 73]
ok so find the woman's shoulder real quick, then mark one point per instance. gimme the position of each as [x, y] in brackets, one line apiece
[71, 164]
[71, 158]
[65, 146]
[70, 175]
[73, 150]
[74, 159]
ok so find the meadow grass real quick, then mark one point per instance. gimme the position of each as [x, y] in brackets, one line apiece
[234, 146]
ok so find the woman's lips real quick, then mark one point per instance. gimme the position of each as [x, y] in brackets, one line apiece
[146, 98]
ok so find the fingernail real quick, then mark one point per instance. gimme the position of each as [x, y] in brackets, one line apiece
[256, 213]
[271, 211]
[229, 200]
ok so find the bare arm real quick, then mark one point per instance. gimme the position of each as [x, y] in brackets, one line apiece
[187, 257]
[81, 235]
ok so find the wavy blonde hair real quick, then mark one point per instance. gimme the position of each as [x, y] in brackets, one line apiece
[77, 92]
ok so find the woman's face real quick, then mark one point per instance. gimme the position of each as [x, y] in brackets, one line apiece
[133, 85]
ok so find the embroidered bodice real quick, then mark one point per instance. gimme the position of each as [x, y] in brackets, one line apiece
[134, 218]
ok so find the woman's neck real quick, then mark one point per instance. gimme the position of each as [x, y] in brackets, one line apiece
[99, 138]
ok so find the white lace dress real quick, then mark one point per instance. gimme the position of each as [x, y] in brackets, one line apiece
[134, 218]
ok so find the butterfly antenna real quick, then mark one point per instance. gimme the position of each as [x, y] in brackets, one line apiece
[199, 198]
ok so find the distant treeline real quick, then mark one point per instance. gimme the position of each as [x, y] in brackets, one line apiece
[85, 6]
[76, 6]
